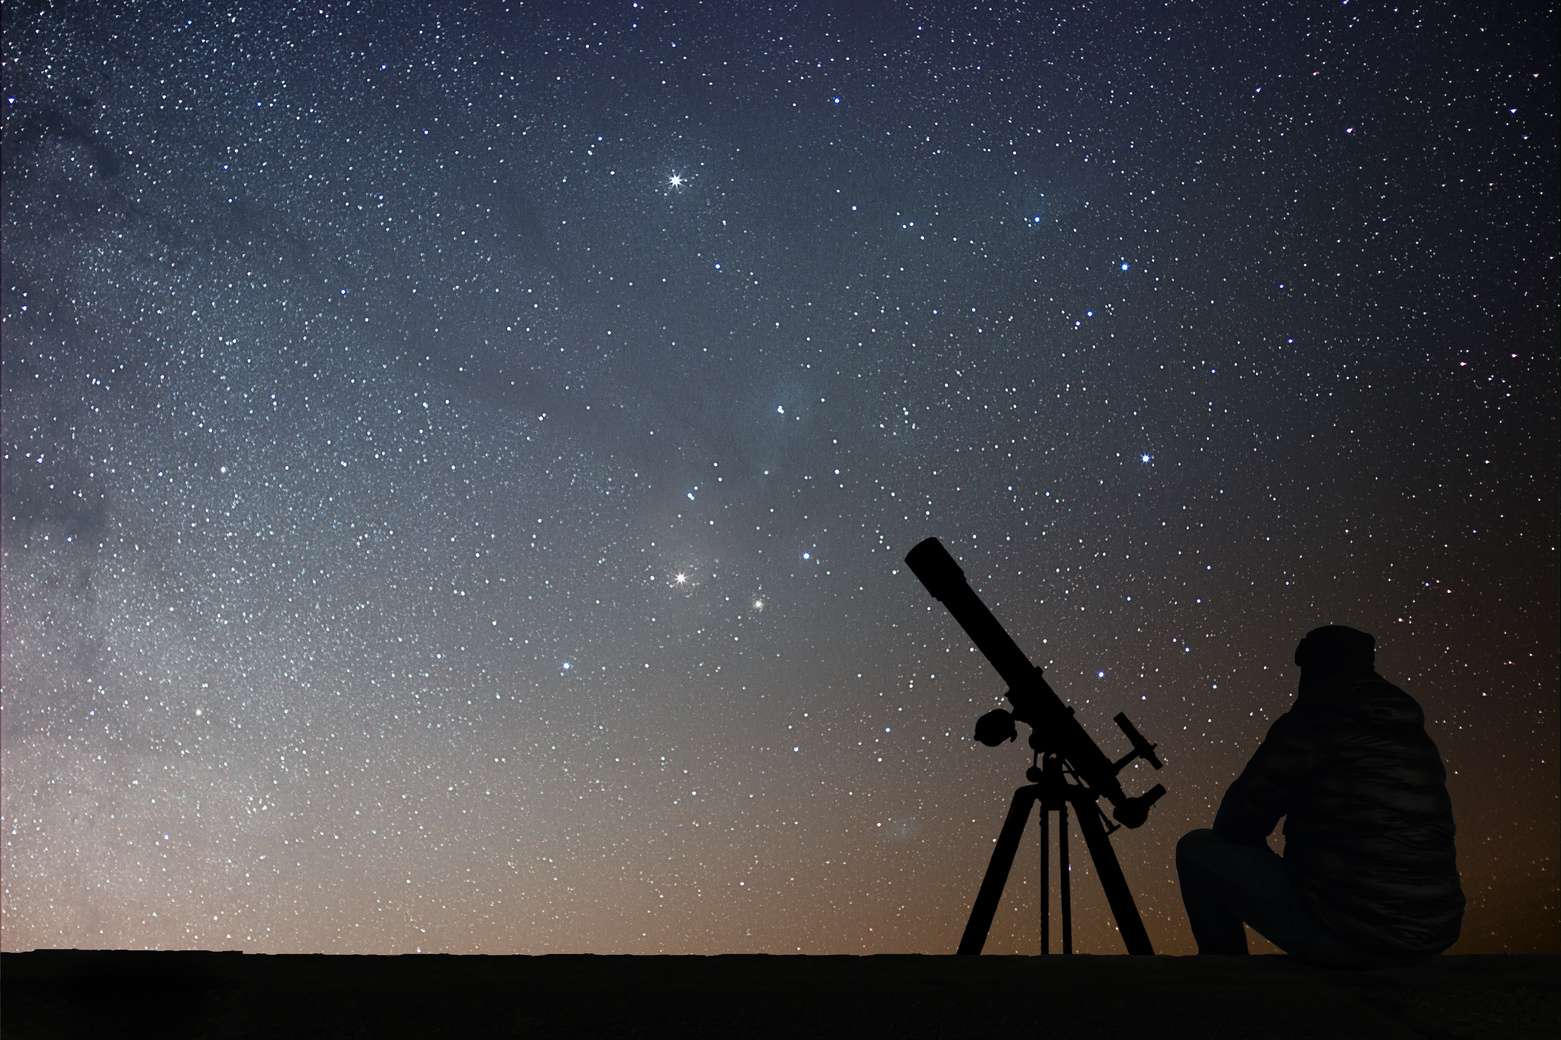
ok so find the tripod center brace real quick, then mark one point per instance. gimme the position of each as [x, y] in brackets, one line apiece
[1062, 749]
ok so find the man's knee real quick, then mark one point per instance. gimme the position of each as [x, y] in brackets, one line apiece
[1197, 847]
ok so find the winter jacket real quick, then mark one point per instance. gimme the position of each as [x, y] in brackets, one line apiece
[1369, 825]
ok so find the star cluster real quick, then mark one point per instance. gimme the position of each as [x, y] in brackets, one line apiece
[458, 459]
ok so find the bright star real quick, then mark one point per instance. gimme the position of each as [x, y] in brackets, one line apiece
[758, 604]
[1144, 458]
[682, 579]
[675, 181]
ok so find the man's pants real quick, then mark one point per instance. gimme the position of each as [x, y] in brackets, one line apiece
[1225, 885]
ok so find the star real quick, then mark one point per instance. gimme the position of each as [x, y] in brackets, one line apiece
[675, 181]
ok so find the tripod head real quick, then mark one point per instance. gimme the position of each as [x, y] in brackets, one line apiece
[1055, 730]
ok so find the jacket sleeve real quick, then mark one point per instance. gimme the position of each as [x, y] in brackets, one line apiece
[1267, 786]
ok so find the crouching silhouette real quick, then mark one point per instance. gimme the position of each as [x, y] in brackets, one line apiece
[1369, 876]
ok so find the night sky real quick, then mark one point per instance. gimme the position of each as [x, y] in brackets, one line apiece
[458, 460]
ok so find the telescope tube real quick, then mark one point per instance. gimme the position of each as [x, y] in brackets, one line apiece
[1032, 697]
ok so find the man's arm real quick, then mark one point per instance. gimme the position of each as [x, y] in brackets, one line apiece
[1263, 792]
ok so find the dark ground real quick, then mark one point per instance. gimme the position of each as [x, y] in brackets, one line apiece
[129, 994]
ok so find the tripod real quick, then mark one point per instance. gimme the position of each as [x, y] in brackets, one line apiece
[1049, 786]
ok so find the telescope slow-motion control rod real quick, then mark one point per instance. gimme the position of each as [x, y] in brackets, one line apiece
[1058, 740]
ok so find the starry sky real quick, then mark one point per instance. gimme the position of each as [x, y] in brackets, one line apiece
[458, 459]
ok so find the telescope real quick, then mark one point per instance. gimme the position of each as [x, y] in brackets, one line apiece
[1067, 767]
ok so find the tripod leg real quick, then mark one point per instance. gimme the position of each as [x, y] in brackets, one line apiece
[1046, 910]
[1117, 893]
[997, 872]
[1064, 880]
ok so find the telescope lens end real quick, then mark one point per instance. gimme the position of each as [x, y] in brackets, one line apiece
[934, 567]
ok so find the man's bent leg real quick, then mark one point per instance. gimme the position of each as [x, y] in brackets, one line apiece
[1201, 869]
[1225, 884]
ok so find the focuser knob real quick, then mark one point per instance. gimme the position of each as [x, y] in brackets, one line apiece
[996, 727]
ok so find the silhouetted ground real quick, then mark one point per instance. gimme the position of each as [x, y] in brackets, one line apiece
[105, 995]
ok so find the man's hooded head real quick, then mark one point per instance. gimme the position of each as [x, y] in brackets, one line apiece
[1335, 650]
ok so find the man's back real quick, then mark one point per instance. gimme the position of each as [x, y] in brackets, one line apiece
[1369, 826]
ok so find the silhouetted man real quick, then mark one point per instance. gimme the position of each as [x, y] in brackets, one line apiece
[1368, 876]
